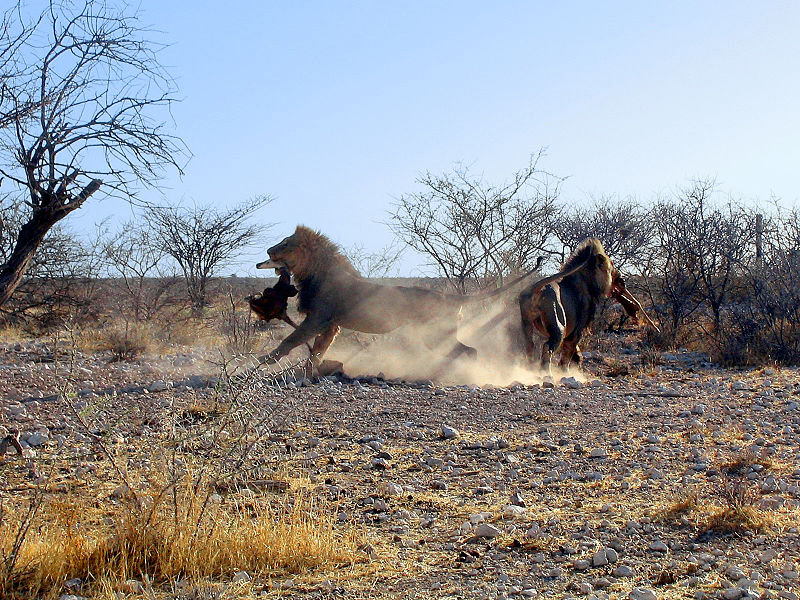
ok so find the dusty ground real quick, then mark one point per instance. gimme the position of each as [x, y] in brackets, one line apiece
[605, 488]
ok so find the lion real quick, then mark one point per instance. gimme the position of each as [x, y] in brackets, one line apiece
[561, 306]
[334, 295]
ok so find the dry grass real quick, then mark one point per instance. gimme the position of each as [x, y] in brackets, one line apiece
[10, 333]
[124, 341]
[684, 504]
[176, 533]
[736, 520]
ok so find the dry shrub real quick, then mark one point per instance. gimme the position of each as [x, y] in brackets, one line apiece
[11, 333]
[237, 327]
[684, 504]
[738, 495]
[124, 342]
[181, 533]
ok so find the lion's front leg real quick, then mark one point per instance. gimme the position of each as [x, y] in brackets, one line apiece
[304, 332]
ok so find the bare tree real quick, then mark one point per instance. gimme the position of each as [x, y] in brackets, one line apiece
[471, 230]
[84, 106]
[15, 32]
[62, 275]
[621, 224]
[766, 322]
[137, 258]
[204, 239]
[374, 264]
[699, 247]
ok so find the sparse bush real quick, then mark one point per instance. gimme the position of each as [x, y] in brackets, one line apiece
[204, 239]
[238, 328]
[124, 342]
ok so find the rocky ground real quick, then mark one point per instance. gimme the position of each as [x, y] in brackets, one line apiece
[615, 487]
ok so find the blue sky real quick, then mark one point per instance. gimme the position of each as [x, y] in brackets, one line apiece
[335, 108]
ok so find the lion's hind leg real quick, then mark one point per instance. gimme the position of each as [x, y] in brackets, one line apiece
[322, 342]
[570, 355]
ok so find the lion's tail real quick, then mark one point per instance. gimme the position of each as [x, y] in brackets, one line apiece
[492, 293]
[539, 285]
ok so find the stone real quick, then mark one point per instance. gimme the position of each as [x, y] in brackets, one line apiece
[131, 586]
[599, 559]
[514, 512]
[448, 433]
[658, 546]
[734, 573]
[241, 577]
[37, 439]
[622, 571]
[642, 594]
[571, 383]
[389, 488]
[485, 530]
[159, 386]
[598, 453]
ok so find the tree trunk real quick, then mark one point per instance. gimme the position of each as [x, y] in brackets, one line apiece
[51, 210]
[30, 238]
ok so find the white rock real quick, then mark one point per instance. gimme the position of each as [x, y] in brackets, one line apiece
[642, 594]
[514, 512]
[389, 488]
[448, 432]
[241, 577]
[132, 586]
[479, 517]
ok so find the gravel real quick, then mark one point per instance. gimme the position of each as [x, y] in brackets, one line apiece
[580, 487]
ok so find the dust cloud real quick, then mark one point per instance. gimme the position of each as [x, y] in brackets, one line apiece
[493, 330]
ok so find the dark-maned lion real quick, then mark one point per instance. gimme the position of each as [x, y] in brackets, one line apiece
[561, 306]
[333, 295]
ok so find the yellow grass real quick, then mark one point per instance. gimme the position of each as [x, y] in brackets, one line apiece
[186, 535]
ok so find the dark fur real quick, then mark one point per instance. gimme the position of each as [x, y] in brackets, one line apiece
[560, 307]
[273, 302]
